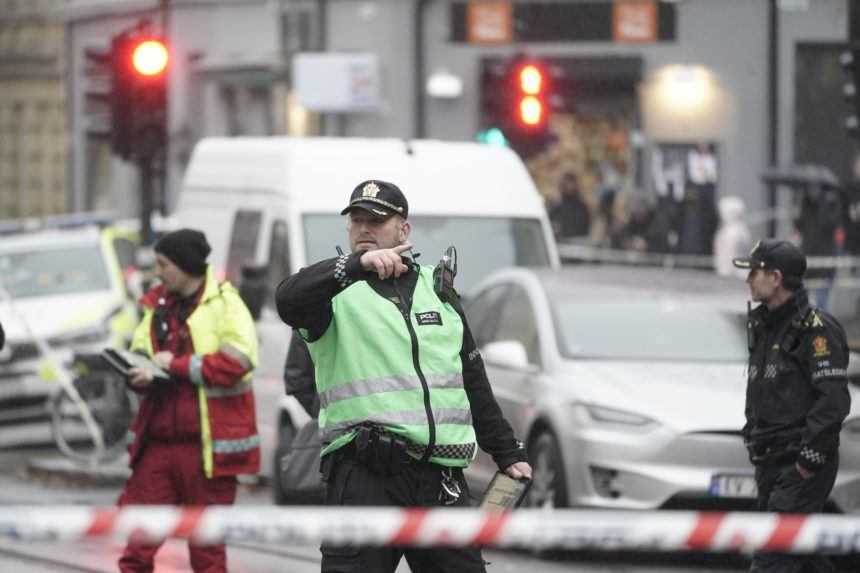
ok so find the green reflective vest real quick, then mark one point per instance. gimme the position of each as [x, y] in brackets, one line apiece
[372, 366]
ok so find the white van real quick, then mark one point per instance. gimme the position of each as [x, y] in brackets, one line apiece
[275, 202]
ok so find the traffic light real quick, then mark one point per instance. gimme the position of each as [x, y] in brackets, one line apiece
[140, 63]
[97, 92]
[850, 60]
[531, 85]
[515, 103]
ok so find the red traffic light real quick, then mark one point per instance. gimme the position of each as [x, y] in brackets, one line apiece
[531, 111]
[150, 57]
[140, 62]
[531, 86]
[531, 79]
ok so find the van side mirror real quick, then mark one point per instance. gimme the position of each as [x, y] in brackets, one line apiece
[253, 287]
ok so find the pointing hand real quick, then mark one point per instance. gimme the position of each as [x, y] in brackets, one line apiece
[385, 262]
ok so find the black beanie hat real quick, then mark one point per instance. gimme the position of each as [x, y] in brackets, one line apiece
[187, 249]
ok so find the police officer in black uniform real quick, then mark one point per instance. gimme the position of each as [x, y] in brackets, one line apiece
[376, 467]
[797, 395]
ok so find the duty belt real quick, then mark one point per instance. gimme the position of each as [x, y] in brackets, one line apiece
[763, 454]
[387, 453]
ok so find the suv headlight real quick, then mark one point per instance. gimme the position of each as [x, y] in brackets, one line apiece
[601, 415]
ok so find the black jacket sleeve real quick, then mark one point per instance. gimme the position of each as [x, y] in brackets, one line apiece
[304, 299]
[299, 378]
[827, 359]
[494, 433]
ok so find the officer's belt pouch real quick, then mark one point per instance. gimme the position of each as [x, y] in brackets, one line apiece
[380, 452]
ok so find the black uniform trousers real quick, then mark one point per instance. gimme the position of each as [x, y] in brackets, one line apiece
[782, 489]
[418, 484]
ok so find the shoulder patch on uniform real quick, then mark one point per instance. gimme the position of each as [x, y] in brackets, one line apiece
[814, 320]
[819, 347]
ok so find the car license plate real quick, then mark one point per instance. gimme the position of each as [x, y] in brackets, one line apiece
[725, 485]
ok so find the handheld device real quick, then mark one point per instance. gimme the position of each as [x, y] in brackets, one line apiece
[505, 493]
[444, 273]
[123, 361]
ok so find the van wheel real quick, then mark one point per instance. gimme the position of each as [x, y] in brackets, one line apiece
[286, 433]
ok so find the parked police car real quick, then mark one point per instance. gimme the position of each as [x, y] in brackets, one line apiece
[67, 287]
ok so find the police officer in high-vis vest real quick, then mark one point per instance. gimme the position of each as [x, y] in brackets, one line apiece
[797, 395]
[404, 398]
[195, 431]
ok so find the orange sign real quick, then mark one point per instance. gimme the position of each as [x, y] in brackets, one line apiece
[489, 22]
[634, 21]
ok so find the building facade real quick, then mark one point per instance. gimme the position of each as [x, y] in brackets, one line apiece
[33, 132]
[641, 94]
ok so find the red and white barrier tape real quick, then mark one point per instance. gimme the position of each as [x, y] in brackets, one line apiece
[571, 529]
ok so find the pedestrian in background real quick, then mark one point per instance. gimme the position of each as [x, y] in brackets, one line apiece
[195, 432]
[571, 216]
[639, 232]
[851, 211]
[403, 390]
[819, 218]
[733, 238]
[797, 395]
[703, 174]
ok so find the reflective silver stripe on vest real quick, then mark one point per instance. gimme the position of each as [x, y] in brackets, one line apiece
[195, 369]
[222, 392]
[404, 417]
[236, 355]
[368, 386]
[235, 446]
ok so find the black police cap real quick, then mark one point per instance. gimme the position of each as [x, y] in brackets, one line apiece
[773, 255]
[381, 198]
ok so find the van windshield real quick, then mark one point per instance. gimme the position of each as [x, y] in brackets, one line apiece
[483, 244]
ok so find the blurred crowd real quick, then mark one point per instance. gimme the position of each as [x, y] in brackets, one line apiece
[679, 216]
[592, 198]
